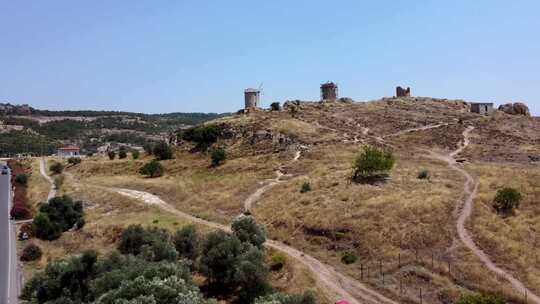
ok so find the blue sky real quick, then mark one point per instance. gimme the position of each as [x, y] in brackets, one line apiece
[183, 56]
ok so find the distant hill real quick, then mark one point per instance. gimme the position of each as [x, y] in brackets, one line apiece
[26, 129]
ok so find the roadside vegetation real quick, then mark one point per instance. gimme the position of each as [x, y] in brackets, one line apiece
[60, 214]
[148, 268]
[19, 177]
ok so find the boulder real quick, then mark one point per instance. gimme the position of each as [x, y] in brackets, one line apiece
[517, 108]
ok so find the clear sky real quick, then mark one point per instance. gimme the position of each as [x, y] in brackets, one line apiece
[183, 56]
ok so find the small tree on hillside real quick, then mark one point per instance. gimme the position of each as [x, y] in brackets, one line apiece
[163, 151]
[186, 242]
[111, 155]
[506, 200]
[122, 153]
[152, 169]
[219, 155]
[247, 230]
[372, 162]
[148, 149]
[135, 154]
[56, 168]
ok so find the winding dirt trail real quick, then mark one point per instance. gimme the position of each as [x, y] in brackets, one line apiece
[256, 196]
[470, 189]
[52, 191]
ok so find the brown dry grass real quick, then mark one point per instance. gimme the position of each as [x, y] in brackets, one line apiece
[38, 186]
[513, 242]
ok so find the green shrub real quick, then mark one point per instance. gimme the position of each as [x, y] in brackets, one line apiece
[90, 154]
[74, 160]
[349, 258]
[152, 169]
[506, 200]
[58, 181]
[372, 161]
[31, 252]
[186, 242]
[203, 136]
[56, 168]
[248, 231]
[424, 174]
[153, 244]
[135, 154]
[277, 261]
[111, 155]
[148, 149]
[163, 151]
[275, 106]
[306, 187]
[219, 155]
[59, 215]
[480, 299]
[21, 179]
[122, 153]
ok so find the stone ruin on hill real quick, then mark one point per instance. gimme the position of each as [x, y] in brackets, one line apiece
[517, 108]
[484, 108]
[401, 92]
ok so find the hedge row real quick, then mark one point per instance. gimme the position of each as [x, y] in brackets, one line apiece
[20, 209]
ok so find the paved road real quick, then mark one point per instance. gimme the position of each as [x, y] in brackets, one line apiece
[9, 282]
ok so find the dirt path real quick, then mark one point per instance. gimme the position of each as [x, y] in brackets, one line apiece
[52, 191]
[423, 128]
[470, 189]
[256, 196]
[338, 285]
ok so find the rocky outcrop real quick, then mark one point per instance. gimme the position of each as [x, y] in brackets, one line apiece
[517, 108]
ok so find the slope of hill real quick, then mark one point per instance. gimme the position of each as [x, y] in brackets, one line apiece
[403, 232]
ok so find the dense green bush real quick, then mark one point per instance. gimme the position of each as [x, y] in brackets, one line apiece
[122, 153]
[424, 174]
[135, 154]
[59, 215]
[148, 148]
[74, 160]
[152, 169]
[228, 262]
[349, 258]
[21, 179]
[306, 187]
[56, 167]
[248, 231]
[58, 181]
[186, 242]
[480, 299]
[203, 136]
[111, 155]
[275, 106]
[506, 200]
[218, 155]
[31, 252]
[162, 151]
[371, 162]
[153, 244]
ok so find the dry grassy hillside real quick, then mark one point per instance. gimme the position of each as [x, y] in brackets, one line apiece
[403, 232]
